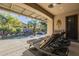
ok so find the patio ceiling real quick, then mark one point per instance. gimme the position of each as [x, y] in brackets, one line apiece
[24, 10]
[34, 10]
[60, 8]
[38, 7]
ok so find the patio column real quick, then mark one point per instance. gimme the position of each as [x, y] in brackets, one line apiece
[49, 27]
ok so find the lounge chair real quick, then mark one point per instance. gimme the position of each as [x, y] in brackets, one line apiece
[54, 45]
[34, 41]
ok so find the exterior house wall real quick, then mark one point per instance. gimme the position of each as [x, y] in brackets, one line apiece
[62, 17]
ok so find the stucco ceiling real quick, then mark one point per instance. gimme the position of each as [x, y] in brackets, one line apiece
[61, 8]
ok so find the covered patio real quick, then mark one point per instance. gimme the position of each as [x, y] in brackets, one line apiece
[58, 18]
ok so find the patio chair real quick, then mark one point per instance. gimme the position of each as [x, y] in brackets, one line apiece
[34, 41]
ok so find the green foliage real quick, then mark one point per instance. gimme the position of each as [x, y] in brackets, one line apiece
[13, 25]
[37, 26]
[9, 23]
[19, 29]
[43, 26]
[13, 30]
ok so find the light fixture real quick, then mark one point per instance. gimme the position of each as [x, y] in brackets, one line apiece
[50, 5]
[53, 5]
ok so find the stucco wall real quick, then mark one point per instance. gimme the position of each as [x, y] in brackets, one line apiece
[49, 27]
[62, 17]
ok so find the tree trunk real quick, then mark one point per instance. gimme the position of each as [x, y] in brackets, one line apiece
[34, 30]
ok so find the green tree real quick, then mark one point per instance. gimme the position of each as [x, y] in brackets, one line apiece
[43, 26]
[9, 24]
[33, 24]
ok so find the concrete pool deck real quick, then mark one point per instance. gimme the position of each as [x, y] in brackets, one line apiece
[15, 47]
